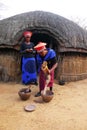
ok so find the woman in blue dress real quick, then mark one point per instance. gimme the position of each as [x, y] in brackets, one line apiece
[29, 74]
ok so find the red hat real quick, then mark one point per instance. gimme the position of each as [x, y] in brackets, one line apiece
[27, 33]
[40, 47]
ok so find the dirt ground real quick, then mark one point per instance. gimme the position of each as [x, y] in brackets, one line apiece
[66, 111]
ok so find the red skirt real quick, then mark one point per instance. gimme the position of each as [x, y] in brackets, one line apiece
[42, 80]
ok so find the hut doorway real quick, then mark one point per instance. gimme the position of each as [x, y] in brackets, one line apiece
[51, 42]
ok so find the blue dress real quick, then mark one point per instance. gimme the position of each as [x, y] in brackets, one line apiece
[29, 73]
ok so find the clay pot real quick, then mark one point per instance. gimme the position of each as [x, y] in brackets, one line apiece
[24, 93]
[48, 96]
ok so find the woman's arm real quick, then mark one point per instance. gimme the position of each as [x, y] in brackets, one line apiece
[53, 64]
[53, 67]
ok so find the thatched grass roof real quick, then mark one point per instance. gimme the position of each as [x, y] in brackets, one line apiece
[68, 34]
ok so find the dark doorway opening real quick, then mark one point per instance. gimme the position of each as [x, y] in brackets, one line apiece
[37, 37]
[43, 37]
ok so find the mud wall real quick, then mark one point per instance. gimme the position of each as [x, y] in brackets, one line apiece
[10, 63]
[72, 67]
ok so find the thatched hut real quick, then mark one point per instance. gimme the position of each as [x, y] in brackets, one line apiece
[64, 36]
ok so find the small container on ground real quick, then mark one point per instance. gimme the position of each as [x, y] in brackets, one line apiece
[24, 93]
[48, 96]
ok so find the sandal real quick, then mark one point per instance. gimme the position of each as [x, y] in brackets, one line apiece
[38, 94]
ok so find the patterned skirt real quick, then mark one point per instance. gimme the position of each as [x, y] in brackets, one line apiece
[29, 74]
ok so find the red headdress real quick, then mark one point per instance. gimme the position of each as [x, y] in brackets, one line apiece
[27, 33]
[40, 47]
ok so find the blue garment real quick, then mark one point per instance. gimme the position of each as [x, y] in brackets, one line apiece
[28, 64]
[29, 74]
[51, 54]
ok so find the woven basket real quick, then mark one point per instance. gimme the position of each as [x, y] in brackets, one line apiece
[24, 93]
[48, 96]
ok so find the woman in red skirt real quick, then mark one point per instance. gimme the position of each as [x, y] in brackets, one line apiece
[48, 55]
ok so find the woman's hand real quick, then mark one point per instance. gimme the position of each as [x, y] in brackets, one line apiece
[29, 50]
